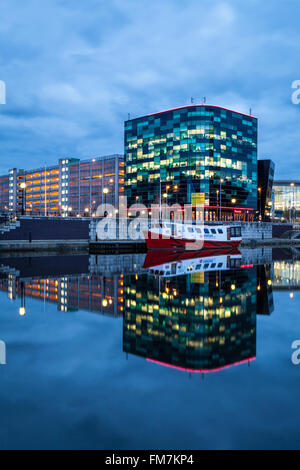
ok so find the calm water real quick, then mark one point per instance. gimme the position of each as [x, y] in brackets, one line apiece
[118, 352]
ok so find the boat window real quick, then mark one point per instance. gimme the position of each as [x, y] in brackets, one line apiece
[220, 265]
[198, 266]
[198, 230]
[235, 231]
[206, 230]
[234, 263]
[213, 265]
[220, 230]
[213, 230]
[190, 229]
[206, 265]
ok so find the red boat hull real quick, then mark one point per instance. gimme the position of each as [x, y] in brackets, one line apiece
[166, 243]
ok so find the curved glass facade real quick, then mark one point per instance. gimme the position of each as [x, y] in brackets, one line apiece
[197, 150]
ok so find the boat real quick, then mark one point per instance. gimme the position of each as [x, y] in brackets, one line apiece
[172, 264]
[177, 236]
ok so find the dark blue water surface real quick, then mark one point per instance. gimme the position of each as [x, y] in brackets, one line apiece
[220, 374]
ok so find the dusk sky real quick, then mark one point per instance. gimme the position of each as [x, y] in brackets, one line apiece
[74, 70]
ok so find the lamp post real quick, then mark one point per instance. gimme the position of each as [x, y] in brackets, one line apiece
[259, 196]
[23, 188]
[22, 309]
[105, 192]
[220, 213]
[292, 185]
[233, 201]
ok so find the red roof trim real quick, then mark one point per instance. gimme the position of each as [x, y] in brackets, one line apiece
[231, 208]
[227, 366]
[201, 106]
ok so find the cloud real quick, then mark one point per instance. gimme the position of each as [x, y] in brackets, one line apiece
[74, 71]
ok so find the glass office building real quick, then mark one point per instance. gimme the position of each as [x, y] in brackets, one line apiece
[72, 187]
[192, 154]
[287, 200]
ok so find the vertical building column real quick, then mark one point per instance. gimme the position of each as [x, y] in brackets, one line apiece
[13, 190]
[79, 188]
[91, 180]
[102, 197]
[116, 199]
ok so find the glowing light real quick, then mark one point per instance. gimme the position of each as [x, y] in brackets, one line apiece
[104, 303]
[22, 311]
[232, 286]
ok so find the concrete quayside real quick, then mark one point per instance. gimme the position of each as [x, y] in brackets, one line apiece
[76, 234]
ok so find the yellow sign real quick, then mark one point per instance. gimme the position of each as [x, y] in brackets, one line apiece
[198, 199]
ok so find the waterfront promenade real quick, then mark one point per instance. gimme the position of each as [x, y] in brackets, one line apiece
[72, 234]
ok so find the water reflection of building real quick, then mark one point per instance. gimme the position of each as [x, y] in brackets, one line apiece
[286, 275]
[95, 293]
[198, 322]
[264, 297]
[73, 282]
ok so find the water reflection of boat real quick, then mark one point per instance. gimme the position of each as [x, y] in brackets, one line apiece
[169, 264]
[177, 236]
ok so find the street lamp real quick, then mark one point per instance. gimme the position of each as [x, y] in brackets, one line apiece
[22, 309]
[105, 192]
[292, 210]
[259, 196]
[23, 187]
[221, 181]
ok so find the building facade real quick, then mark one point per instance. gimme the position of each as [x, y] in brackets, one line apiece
[192, 154]
[286, 196]
[72, 187]
[265, 171]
